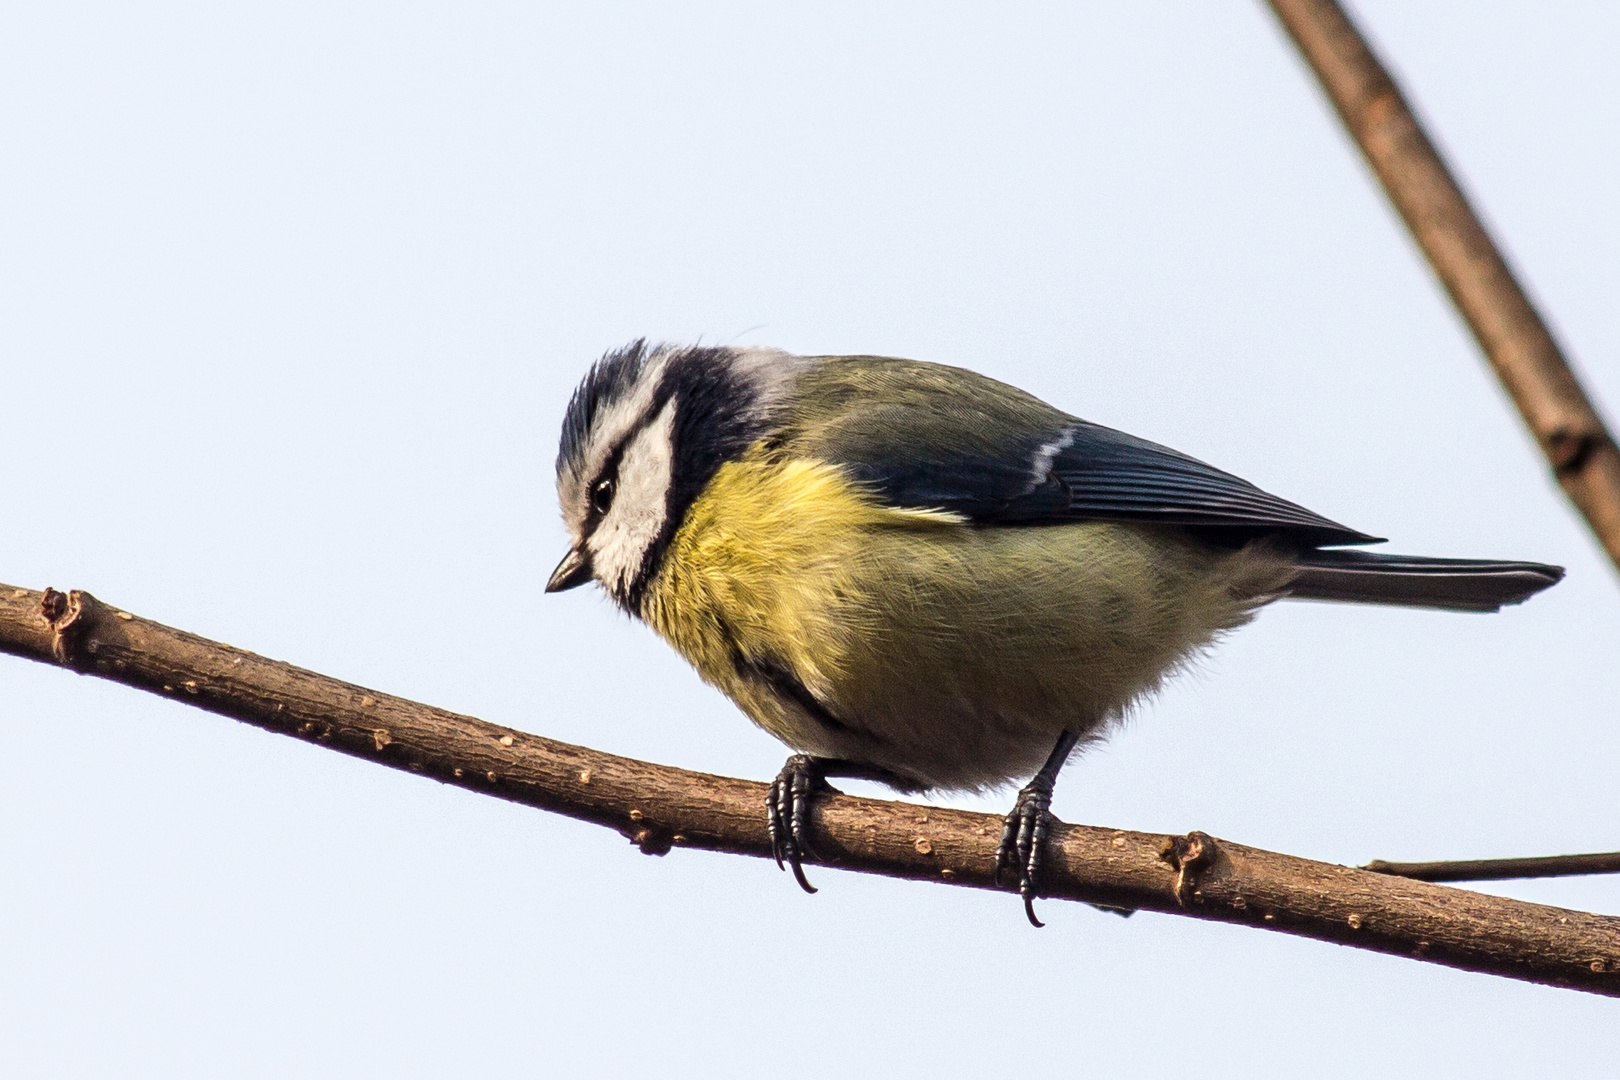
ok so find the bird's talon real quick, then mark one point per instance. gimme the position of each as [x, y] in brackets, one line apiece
[1029, 911]
[1006, 847]
[788, 815]
[798, 875]
[1023, 843]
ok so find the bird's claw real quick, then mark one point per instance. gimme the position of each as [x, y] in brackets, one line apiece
[788, 814]
[1023, 842]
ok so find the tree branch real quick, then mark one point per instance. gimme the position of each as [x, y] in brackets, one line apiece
[659, 807]
[1543, 866]
[1507, 326]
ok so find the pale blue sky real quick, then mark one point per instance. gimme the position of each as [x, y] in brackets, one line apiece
[291, 300]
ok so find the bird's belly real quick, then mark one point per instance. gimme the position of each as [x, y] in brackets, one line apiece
[950, 654]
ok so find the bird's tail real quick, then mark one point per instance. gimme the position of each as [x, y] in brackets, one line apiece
[1362, 577]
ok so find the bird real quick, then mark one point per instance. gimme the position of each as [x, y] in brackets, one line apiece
[919, 575]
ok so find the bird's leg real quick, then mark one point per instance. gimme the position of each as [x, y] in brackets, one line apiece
[787, 806]
[1023, 836]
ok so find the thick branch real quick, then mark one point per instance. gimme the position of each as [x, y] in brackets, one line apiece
[658, 807]
[1516, 341]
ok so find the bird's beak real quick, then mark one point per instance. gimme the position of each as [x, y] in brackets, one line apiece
[571, 573]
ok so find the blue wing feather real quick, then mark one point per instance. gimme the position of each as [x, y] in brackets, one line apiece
[1114, 475]
[1110, 475]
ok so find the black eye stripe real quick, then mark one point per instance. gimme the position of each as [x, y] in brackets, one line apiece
[609, 473]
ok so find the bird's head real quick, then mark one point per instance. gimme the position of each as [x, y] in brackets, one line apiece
[646, 430]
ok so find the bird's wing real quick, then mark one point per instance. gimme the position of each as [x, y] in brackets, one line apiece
[925, 436]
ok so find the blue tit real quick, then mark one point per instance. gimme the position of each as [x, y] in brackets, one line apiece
[916, 574]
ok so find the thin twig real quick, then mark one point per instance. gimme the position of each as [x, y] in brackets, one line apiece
[660, 808]
[1507, 326]
[1544, 866]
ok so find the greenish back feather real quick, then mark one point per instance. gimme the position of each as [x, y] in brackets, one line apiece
[850, 408]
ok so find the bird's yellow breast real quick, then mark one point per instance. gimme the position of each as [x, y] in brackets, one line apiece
[772, 563]
[945, 651]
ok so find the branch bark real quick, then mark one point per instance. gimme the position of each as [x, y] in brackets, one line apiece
[658, 807]
[1507, 326]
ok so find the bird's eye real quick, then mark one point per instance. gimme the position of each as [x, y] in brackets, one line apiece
[602, 496]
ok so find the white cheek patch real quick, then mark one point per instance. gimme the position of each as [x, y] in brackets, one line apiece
[608, 430]
[640, 505]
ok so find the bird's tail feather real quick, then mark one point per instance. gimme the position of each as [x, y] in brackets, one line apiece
[1362, 577]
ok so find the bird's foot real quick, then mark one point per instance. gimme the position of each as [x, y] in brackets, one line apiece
[1023, 841]
[787, 810]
